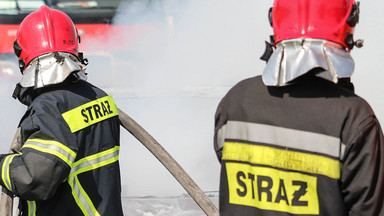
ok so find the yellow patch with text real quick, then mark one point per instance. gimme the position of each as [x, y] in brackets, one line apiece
[271, 189]
[90, 113]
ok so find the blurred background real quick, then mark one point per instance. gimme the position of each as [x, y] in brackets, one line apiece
[167, 64]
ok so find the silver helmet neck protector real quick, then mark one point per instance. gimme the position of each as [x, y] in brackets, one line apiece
[51, 68]
[295, 57]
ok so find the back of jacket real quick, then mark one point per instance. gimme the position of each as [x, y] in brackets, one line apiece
[313, 148]
[68, 164]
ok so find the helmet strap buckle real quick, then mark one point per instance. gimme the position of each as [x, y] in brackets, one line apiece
[83, 60]
[16, 91]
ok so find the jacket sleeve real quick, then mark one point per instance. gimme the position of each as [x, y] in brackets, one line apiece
[362, 179]
[221, 118]
[46, 156]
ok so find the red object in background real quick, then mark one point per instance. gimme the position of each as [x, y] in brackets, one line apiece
[106, 37]
[7, 37]
[94, 37]
[93, 21]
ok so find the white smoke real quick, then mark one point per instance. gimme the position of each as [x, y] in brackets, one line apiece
[369, 76]
[174, 82]
[181, 71]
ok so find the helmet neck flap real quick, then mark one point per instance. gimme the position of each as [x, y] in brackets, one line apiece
[51, 68]
[293, 58]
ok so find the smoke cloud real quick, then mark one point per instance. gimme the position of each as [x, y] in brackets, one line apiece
[173, 82]
[184, 69]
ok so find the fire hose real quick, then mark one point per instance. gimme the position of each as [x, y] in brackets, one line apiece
[6, 205]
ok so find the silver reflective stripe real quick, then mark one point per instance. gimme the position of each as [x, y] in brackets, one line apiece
[5, 172]
[92, 161]
[342, 150]
[88, 164]
[51, 147]
[81, 198]
[284, 137]
[31, 208]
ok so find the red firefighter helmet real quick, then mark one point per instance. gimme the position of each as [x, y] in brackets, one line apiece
[43, 31]
[332, 20]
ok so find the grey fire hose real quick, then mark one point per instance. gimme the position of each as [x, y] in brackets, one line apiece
[6, 204]
[169, 162]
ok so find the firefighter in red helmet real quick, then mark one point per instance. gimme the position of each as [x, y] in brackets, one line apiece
[68, 162]
[297, 140]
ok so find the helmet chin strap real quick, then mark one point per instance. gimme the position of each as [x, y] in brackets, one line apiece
[17, 50]
[21, 65]
[268, 49]
[16, 91]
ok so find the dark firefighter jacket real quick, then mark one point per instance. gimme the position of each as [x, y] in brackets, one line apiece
[68, 163]
[313, 148]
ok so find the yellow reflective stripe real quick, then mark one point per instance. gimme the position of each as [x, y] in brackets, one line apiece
[95, 161]
[90, 113]
[52, 147]
[86, 164]
[81, 197]
[86, 197]
[284, 159]
[49, 151]
[5, 171]
[76, 197]
[55, 143]
[31, 208]
[95, 166]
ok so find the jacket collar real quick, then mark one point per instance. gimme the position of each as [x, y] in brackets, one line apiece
[27, 94]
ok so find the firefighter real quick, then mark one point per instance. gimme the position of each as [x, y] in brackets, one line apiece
[297, 140]
[68, 163]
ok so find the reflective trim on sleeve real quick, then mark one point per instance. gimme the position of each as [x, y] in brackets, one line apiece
[90, 113]
[31, 208]
[52, 147]
[87, 164]
[284, 137]
[284, 159]
[5, 171]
